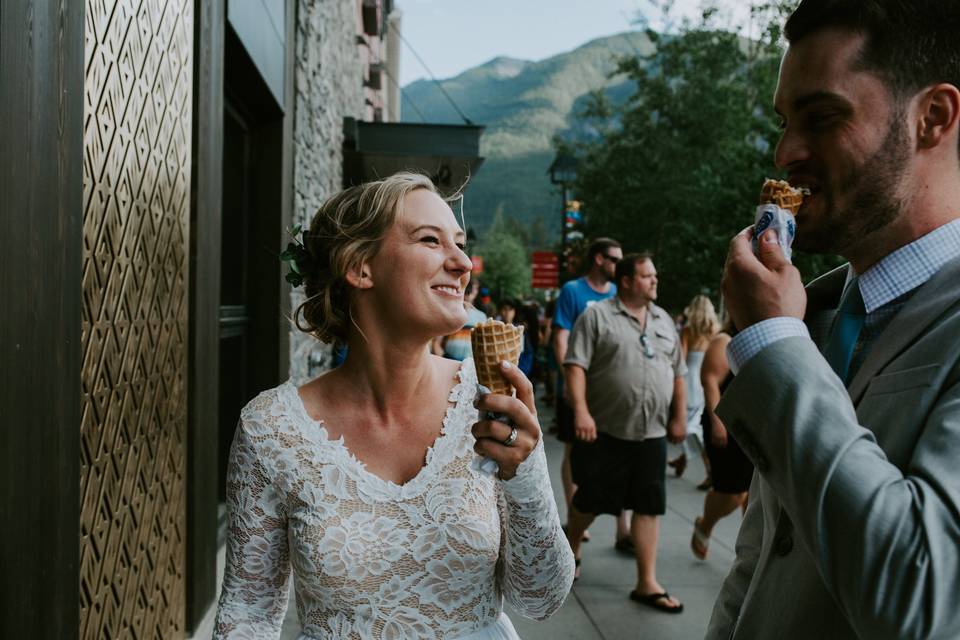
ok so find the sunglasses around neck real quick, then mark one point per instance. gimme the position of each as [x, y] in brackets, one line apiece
[647, 347]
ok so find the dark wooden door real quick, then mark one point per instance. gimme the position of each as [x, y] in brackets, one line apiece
[235, 294]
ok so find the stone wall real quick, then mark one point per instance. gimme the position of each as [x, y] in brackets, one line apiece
[328, 85]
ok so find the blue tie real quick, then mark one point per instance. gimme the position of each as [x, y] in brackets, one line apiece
[846, 329]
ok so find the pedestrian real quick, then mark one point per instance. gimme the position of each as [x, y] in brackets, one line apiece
[575, 297]
[730, 468]
[456, 346]
[852, 418]
[547, 362]
[507, 311]
[701, 325]
[624, 370]
[365, 481]
[486, 302]
[529, 318]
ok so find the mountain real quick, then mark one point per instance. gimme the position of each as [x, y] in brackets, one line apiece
[523, 104]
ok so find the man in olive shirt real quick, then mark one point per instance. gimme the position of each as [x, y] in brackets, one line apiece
[624, 373]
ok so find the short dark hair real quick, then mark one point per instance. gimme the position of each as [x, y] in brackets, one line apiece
[510, 302]
[627, 268]
[600, 246]
[910, 44]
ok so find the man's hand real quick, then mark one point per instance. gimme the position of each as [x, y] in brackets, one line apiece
[584, 426]
[718, 434]
[676, 431]
[757, 288]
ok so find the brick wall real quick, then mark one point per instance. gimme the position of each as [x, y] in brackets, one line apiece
[328, 85]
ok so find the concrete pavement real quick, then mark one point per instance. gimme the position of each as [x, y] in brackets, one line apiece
[598, 607]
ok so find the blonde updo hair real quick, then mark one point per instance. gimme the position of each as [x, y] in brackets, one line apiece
[702, 321]
[345, 232]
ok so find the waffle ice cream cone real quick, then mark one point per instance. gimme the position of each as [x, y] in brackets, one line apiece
[493, 342]
[780, 193]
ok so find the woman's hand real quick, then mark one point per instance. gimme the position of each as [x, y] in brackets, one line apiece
[522, 412]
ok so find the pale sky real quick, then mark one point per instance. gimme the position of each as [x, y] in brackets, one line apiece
[455, 35]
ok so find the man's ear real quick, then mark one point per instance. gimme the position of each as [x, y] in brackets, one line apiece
[939, 114]
[359, 276]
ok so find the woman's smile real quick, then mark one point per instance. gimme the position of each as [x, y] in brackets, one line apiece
[452, 291]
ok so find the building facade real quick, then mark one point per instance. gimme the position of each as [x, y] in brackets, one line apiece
[154, 155]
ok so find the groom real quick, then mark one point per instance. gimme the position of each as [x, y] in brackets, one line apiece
[847, 397]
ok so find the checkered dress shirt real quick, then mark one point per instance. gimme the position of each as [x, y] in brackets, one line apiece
[886, 287]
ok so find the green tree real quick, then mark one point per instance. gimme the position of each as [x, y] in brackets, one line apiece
[506, 264]
[677, 168]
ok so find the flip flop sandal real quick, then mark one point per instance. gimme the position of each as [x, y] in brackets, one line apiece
[656, 601]
[679, 465]
[699, 541]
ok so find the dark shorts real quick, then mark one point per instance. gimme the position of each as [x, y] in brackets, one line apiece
[564, 414]
[730, 468]
[612, 475]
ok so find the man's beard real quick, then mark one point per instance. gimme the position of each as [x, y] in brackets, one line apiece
[871, 198]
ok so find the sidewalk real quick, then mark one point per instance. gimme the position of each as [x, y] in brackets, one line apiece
[598, 608]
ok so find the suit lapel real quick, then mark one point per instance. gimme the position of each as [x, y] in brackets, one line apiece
[926, 305]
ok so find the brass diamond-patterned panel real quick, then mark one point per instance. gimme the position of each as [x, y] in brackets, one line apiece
[136, 197]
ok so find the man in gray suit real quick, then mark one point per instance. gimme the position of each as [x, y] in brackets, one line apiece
[847, 394]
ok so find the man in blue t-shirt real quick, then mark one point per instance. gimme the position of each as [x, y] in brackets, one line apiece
[575, 296]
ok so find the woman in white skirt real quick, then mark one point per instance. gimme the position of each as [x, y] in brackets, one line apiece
[365, 483]
[701, 325]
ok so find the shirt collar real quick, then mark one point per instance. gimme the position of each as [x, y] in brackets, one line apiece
[909, 266]
[652, 309]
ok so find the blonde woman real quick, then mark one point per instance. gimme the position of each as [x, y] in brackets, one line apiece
[364, 483]
[731, 470]
[701, 325]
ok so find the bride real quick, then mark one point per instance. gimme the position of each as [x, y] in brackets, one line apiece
[364, 483]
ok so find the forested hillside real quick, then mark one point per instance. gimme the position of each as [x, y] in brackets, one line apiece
[523, 105]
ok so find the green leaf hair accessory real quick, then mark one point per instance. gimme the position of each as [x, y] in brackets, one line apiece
[297, 256]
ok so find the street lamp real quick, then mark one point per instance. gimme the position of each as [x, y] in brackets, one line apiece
[563, 171]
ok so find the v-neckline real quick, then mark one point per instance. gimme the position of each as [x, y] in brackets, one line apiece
[359, 467]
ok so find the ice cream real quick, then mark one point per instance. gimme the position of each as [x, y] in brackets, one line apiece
[493, 342]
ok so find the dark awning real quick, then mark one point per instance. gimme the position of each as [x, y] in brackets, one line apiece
[449, 154]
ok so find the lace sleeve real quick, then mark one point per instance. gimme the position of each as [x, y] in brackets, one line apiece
[255, 581]
[536, 568]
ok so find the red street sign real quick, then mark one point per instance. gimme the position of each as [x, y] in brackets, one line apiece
[477, 264]
[546, 270]
[545, 284]
[544, 257]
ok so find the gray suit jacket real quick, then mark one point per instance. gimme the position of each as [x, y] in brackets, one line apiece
[852, 531]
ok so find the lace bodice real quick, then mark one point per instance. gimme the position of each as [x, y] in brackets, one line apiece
[432, 558]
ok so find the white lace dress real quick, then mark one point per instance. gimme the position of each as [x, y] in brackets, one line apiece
[433, 558]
